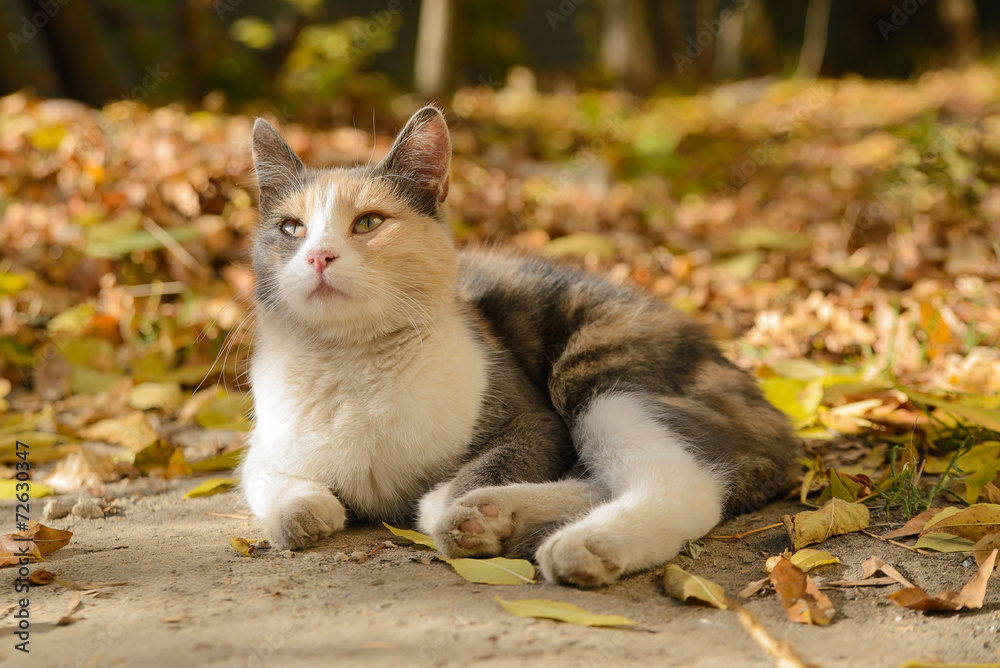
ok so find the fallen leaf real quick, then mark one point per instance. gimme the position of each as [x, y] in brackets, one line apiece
[990, 493]
[68, 618]
[133, 431]
[973, 459]
[562, 612]
[804, 603]
[960, 407]
[149, 395]
[243, 546]
[41, 577]
[683, 586]
[971, 597]
[914, 526]
[162, 459]
[943, 542]
[41, 540]
[84, 469]
[840, 487]
[753, 587]
[799, 400]
[581, 244]
[212, 486]
[806, 559]
[981, 550]
[873, 565]
[834, 518]
[976, 482]
[971, 523]
[413, 536]
[495, 571]
[10, 489]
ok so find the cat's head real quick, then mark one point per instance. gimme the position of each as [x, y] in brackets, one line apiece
[359, 252]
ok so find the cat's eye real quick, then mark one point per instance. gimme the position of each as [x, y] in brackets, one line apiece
[367, 223]
[293, 228]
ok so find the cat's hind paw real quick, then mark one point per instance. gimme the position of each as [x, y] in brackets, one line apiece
[575, 556]
[305, 519]
[474, 527]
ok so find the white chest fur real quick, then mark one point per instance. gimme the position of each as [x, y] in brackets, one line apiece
[375, 426]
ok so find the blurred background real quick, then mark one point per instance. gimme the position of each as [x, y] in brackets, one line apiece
[325, 59]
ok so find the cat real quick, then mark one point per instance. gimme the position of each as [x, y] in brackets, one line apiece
[510, 406]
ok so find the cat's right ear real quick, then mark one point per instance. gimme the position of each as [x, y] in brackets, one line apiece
[278, 169]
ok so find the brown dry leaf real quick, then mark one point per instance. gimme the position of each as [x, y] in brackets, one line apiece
[86, 586]
[132, 431]
[970, 598]
[871, 582]
[834, 518]
[162, 459]
[971, 523]
[804, 603]
[986, 544]
[74, 604]
[873, 565]
[84, 469]
[41, 540]
[990, 493]
[41, 577]
[753, 588]
[914, 526]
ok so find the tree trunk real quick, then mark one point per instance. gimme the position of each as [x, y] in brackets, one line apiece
[627, 45]
[433, 67]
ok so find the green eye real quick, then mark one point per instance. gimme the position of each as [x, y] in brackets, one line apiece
[368, 222]
[293, 228]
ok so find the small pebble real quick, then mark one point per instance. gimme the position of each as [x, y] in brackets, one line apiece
[288, 554]
[340, 556]
[88, 509]
[356, 555]
[56, 509]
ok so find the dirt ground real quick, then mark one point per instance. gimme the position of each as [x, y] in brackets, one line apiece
[191, 600]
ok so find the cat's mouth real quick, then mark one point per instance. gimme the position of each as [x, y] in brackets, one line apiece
[325, 291]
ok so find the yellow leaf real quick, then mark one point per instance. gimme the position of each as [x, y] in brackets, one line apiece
[12, 284]
[805, 559]
[413, 536]
[683, 585]
[943, 542]
[227, 460]
[581, 244]
[834, 518]
[35, 490]
[212, 486]
[972, 523]
[964, 408]
[132, 431]
[797, 399]
[495, 571]
[243, 546]
[562, 612]
[165, 396]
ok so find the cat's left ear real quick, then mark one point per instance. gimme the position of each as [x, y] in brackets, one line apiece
[278, 168]
[420, 158]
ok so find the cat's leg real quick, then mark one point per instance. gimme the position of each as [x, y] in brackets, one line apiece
[509, 520]
[294, 511]
[509, 493]
[661, 495]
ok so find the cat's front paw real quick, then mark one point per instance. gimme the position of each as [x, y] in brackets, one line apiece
[304, 519]
[474, 526]
[579, 556]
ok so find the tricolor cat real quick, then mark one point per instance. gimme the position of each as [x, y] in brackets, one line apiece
[507, 405]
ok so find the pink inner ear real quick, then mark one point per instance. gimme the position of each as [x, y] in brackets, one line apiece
[444, 188]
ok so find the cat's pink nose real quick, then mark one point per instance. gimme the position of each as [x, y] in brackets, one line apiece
[321, 258]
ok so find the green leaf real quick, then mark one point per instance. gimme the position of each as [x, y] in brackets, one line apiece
[121, 238]
[834, 518]
[539, 608]
[495, 571]
[975, 458]
[226, 412]
[683, 585]
[840, 487]
[227, 460]
[36, 490]
[974, 483]
[91, 381]
[943, 542]
[212, 486]
[413, 536]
